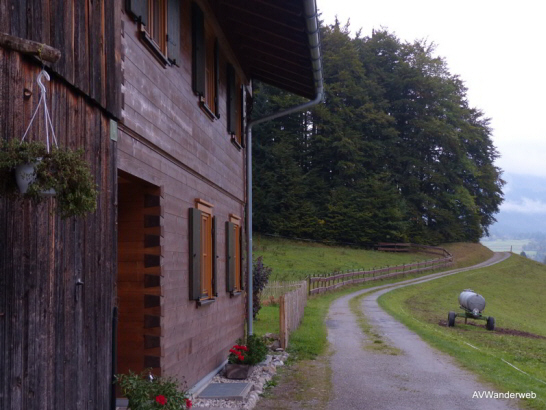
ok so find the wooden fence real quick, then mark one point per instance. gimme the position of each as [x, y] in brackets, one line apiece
[291, 310]
[275, 289]
[320, 284]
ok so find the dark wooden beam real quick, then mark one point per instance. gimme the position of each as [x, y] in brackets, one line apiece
[40, 50]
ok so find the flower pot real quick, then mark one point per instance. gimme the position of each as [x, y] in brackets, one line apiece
[238, 371]
[25, 174]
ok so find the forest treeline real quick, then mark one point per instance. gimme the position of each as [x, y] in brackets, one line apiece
[394, 152]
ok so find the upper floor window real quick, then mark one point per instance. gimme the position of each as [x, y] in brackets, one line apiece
[205, 61]
[159, 26]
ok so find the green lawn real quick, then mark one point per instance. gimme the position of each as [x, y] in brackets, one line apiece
[295, 260]
[514, 293]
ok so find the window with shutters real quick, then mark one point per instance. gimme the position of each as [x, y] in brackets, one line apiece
[202, 253]
[159, 27]
[234, 265]
[205, 60]
[235, 106]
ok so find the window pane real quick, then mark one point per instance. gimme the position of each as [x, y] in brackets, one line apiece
[156, 24]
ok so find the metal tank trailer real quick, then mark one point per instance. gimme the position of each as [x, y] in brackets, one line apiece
[473, 305]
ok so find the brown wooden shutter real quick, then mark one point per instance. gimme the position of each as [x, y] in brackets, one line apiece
[138, 9]
[198, 50]
[195, 253]
[214, 259]
[216, 78]
[230, 257]
[232, 100]
[173, 31]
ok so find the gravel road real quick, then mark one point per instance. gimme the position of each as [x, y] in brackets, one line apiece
[420, 378]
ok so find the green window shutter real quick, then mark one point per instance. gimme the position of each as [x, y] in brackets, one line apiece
[198, 50]
[214, 259]
[230, 257]
[216, 78]
[138, 9]
[173, 31]
[195, 253]
[231, 99]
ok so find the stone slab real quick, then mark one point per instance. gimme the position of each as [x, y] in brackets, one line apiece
[226, 391]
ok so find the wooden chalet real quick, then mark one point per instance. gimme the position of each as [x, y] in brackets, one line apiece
[157, 93]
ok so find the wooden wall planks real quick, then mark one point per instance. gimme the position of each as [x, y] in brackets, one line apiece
[88, 35]
[55, 335]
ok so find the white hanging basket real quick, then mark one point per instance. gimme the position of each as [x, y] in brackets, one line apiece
[25, 174]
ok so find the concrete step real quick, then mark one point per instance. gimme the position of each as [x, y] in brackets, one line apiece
[226, 391]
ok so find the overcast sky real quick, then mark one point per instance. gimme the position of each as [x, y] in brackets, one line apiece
[496, 47]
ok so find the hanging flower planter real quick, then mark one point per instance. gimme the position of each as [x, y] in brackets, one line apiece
[35, 171]
[60, 172]
[25, 175]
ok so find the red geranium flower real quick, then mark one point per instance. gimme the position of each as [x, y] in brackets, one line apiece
[189, 403]
[161, 400]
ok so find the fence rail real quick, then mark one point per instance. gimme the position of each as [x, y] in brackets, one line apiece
[320, 284]
[291, 310]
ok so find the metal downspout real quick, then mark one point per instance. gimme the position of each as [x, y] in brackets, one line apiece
[312, 28]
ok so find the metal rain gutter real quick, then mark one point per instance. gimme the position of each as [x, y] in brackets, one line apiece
[312, 29]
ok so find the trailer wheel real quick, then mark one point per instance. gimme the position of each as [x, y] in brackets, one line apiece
[451, 319]
[490, 323]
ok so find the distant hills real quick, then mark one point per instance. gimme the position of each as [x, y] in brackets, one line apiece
[523, 212]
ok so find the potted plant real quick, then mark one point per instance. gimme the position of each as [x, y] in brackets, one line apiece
[243, 357]
[147, 392]
[42, 172]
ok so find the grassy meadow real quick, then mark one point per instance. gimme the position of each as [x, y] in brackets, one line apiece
[289, 260]
[514, 294]
[295, 260]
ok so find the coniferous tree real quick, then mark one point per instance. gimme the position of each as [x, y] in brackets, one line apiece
[393, 153]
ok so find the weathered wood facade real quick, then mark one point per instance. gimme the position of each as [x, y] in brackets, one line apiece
[56, 334]
[159, 106]
[167, 140]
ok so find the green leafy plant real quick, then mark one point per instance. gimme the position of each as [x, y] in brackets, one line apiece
[251, 353]
[260, 277]
[152, 393]
[63, 170]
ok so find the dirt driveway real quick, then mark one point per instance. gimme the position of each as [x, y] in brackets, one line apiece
[417, 377]
[351, 377]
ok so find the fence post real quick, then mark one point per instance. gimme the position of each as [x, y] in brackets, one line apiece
[283, 331]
